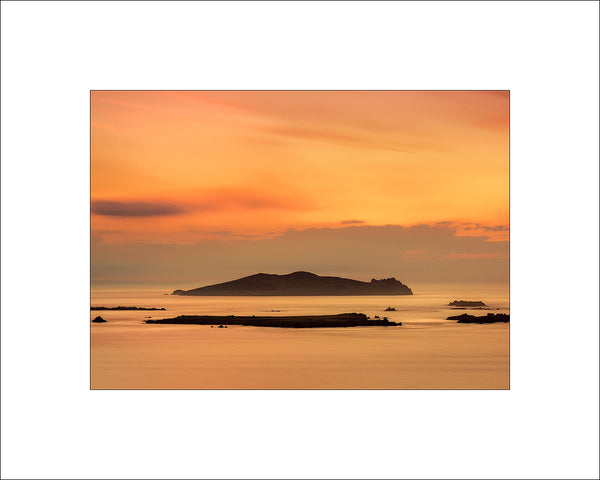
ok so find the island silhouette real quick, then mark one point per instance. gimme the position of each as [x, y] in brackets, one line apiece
[467, 303]
[299, 283]
[297, 321]
[489, 318]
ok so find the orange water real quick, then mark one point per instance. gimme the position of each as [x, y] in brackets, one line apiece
[427, 352]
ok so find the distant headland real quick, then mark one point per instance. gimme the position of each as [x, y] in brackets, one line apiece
[299, 283]
[297, 321]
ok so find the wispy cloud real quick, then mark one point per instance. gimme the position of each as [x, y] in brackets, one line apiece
[135, 209]
[250, 199]
[352, 222]
[349, 137]
[493, 232]
[206, 200]
[225, 234]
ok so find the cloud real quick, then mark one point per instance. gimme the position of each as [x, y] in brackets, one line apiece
[208, 200]
[108, 232]
[496, 228]
[416, 254]
[252, 200]
[328, 135]
[135, 209]
[210, 232]
[452, 256]
[353, 137]
[471, 228]
[226, 234]
[352, 222]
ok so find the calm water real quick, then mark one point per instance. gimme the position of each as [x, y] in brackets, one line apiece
[426, 352]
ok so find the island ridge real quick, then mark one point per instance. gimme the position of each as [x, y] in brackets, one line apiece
[299, 283]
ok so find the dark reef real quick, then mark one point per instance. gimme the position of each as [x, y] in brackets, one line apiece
[299, 283]
[307, 321]
[489, 318]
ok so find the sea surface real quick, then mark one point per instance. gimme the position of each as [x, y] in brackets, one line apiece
[426, 352]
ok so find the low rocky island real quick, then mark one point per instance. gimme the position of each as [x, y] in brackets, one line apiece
[489, 318]
[99, 319]
[299, 283]
[126, 308]
[298, 321]
[472, 308]
[390, 309]
[466, 303]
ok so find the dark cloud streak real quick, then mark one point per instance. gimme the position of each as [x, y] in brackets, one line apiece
[352, 222]
[135, 209]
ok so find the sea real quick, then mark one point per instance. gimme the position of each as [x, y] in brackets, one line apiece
[426, 352]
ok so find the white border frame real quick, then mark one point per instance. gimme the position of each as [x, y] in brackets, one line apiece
[54, 53]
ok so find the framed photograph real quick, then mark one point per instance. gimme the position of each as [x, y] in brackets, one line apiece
[300, 239]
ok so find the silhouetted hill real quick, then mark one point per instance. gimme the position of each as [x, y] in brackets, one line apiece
[300, 283]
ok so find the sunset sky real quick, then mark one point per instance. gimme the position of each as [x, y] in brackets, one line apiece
[189, 188]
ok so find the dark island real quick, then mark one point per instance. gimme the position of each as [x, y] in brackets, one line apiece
[299, 283]
[126, 308]
[489, 318]
[302, 321]
[466, 303]
[99, 319]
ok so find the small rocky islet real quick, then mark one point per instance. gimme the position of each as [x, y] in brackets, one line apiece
[467, 303]
[489, 318]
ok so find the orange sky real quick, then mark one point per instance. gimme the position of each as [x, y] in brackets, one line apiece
[188, 166]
